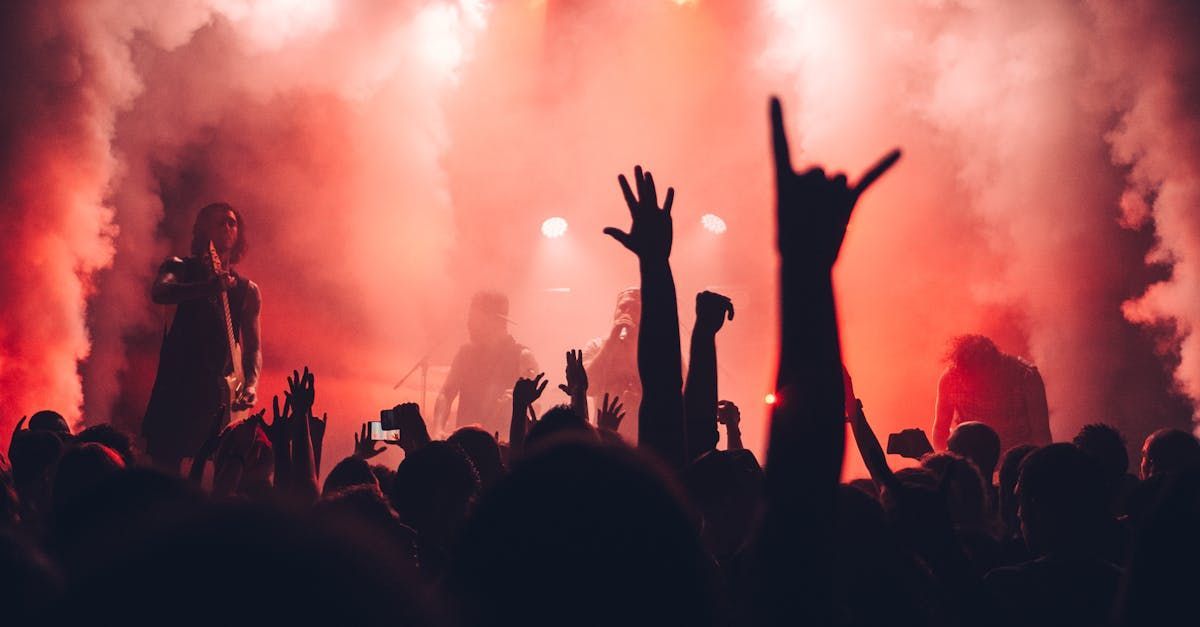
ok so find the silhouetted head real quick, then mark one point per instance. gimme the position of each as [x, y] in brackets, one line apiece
[33, 455]
[487, 317]
[972, 352]
[433, 491]
[1167, 451]
[559, 420]
[726, 488]
[963, 486]
[246, 564]
[111, 437]
[979, 443]
[629, 306]
[481, 448]
[49, 420]
[582, 533]
[365, 505]
[221, 224]
[1062, 501]
[1105, 444]
[1010, 471]
[352, 471]
[80, 469]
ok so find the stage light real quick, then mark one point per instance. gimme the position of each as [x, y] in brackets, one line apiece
[712, 223]
[769, 399]
[554, 228]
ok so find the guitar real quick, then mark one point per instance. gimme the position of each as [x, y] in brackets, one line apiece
[233, 383]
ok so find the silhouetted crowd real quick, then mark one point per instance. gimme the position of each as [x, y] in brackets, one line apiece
[564, 523]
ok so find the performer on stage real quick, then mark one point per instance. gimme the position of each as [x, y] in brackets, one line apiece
[189, 399]
[985, 385]
[612, 362]
[484, 369]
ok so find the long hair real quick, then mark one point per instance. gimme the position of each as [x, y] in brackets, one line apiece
[971, 352]
[200, 238]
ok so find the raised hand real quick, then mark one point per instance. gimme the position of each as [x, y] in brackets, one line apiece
[651, 233]
[277, 431]
[301, 392]
[364, 446]
[527, 391]
[610, 415]
[711, 310]
[814, 209]
[577, 380]
[728, 414]
[413, 432]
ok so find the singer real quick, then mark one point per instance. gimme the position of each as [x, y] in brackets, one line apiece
[611, 362]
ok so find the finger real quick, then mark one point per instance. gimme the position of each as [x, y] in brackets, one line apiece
[729, 308]
[20, 423]
[542, 387]
[619, 235]
[604, 405]
[630, 199]
[779, 143]
[640, 180]
[879, 169]
[669, 201]
[563, 387]
[839, 180]
[651, 193]
[538, 378]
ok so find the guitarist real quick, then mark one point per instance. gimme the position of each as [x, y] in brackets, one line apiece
[191, 397]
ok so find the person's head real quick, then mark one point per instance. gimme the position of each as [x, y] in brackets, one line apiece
[221, 224]
[481, 447]
[726, 488]
[979, 443]
[578, 518]
[559, 420]
[629, 306]
[972, 352]
[352, 471]
[364, 505]
[33, 455]
[49, 420]
[1010, 471]
[433, 491]
[111, 437]
[1061, 499]
[963, 486]
[80, 469]
[487, 317]
[1167, 451]
[1106, 446]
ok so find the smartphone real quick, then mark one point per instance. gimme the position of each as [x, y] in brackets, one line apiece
[377, 433]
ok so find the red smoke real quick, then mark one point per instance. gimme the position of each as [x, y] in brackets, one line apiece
[391, 158]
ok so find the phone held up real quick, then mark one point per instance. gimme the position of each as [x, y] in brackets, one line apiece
[385, 429]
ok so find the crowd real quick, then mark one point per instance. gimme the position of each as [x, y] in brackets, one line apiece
[565, 523]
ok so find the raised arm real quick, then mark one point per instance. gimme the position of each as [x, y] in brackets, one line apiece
[302, 393]
[576, 386]
[806, 437]
[525, 393]
[700, 394]
[872, 453]
[661, 426]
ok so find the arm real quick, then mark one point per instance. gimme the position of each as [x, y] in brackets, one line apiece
[700, 395]
[304, 470]
[661, 427]
[1037, 409]
[251, 343]
[943, 413]
[525, 393]
[807, 429]
[870, 450]
[449, 392]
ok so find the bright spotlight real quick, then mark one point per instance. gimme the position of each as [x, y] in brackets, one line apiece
[712, 223]
[770, 399]
[554, 228]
